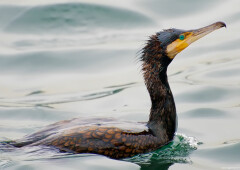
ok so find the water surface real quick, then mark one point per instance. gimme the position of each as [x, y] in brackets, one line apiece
[62, 59]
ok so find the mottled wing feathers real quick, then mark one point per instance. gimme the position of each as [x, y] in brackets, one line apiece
[112, 142]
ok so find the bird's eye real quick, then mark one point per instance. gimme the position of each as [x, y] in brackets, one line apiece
[181, 37]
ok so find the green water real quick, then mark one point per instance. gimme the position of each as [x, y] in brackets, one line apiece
[61, 59]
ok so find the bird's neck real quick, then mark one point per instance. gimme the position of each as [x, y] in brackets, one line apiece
[162, 119]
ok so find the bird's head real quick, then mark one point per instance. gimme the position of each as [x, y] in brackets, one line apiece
[166, 44]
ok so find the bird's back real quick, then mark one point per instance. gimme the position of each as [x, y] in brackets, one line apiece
[110, 137]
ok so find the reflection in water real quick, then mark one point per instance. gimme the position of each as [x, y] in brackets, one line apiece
[156, 165]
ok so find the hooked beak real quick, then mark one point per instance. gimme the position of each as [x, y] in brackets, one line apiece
[191, 36]
[201, 32]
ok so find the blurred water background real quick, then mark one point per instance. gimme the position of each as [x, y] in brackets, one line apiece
[62, 59]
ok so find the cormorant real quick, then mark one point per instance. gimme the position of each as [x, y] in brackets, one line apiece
[116, 139]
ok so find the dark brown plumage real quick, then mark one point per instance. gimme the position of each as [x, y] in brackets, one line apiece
[163, 113]
[124, 139]
[76, 137]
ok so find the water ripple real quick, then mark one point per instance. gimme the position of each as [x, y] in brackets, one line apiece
[46, 100]
[75, 18]
[177, 151]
